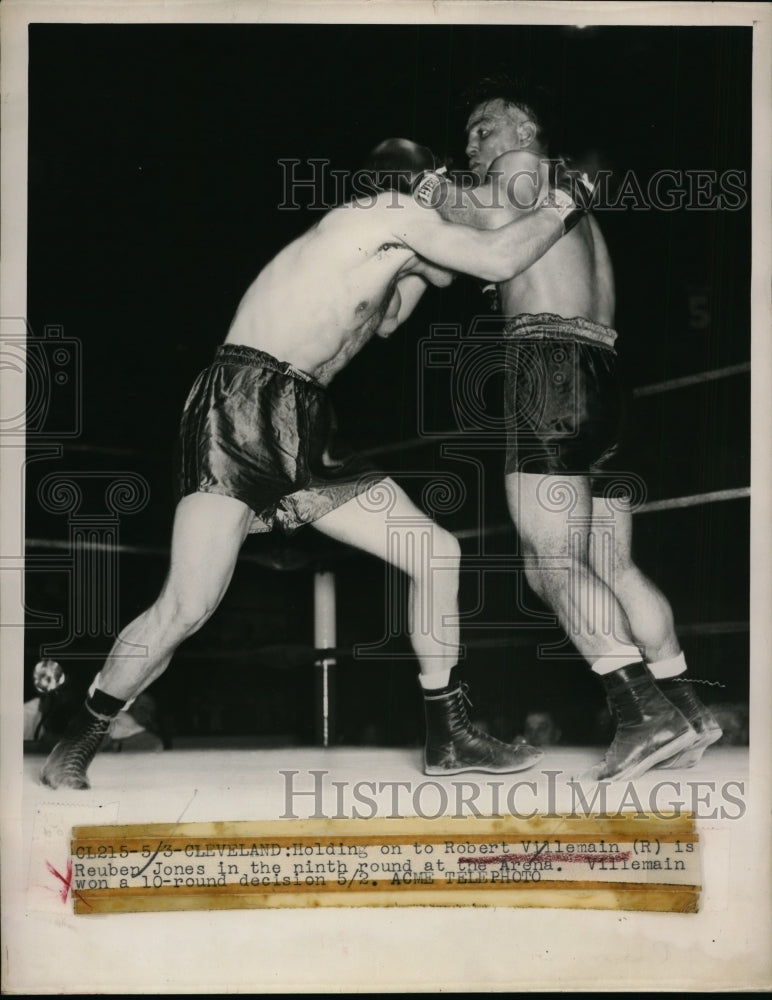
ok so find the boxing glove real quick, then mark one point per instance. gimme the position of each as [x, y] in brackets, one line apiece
[428, 184]
[397, 164]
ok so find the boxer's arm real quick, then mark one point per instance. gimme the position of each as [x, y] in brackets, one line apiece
[513, 186]
[405, 298]
[410, 289]
[494, 255]
[408, 292]
[440, 277]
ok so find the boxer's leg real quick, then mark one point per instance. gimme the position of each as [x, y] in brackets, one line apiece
[428, 554]
[553, 515]
[405, 537]
[646, 608]
[207, 536]
[208, 532]
[651, 622]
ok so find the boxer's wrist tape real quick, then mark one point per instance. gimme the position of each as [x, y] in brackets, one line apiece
[561, 201]
[568, 211]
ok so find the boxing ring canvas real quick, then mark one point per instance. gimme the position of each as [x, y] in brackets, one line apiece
[154, 159]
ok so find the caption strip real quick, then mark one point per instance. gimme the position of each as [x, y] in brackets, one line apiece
[632, 863]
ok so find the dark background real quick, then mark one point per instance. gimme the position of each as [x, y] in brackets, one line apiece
[154, 186]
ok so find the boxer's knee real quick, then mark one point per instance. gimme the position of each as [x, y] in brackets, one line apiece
[556, 569]
[546, 582]
[445, 562]
[181, 613]
[446, 547]
[424, 554]
[622, 575]
[614, 565]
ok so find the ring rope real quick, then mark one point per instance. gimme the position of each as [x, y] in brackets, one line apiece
[519, 636]
[640, 391]
[671, 503]
[64, 545]
[687, 380]
[693, 501]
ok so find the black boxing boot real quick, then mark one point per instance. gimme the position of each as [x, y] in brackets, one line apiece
[453, 745]
[649, 728]
[679, 692]
[68, 762]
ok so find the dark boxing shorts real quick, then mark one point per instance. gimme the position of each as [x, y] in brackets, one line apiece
[261, 431]
[564, 400]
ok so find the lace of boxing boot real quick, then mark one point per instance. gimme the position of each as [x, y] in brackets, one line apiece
[68, 762]
[649, 728]
[454, 745]
[680, 693]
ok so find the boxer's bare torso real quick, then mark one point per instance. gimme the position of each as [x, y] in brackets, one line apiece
[362, 268]
[575, 277]
[326, 294]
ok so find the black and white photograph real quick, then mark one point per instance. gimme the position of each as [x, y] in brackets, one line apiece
[385, 436]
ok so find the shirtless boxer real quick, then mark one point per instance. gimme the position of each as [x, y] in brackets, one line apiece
[258, 449]
[564, 411]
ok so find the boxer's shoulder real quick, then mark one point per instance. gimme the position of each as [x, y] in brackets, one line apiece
[367, 228]
[517, 178]
[513, 162]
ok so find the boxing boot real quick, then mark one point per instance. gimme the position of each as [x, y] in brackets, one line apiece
[680, 693]
[454, 745]
[69, 760]
[649, 728]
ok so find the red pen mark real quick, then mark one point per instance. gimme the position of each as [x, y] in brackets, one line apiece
[66, 882]
[561, 856]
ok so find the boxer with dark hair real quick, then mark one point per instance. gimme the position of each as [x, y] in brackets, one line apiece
[258, 448]
[564, 405]
[396, 164]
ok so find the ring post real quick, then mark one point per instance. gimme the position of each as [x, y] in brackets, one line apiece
[324, 641]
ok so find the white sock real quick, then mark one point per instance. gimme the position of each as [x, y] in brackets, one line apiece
[663, 669]
[435, 680]
[622, 656]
